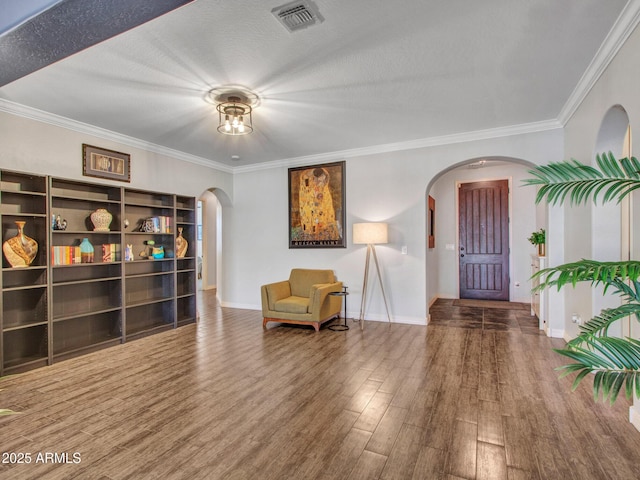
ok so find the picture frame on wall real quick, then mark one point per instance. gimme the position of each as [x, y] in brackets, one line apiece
[431, 222]
[317, 212]
[104, 163]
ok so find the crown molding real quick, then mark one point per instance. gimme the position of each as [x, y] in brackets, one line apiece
[623, 27]
[410, 145]
[86, 129]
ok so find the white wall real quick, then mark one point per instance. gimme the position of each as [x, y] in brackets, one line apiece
[618, 85]
[387, 187]
[585, 235]
[33, 146]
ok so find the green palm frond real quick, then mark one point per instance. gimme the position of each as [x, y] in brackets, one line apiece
[6, 411]
[615, 362]
[610, 274]
[599, 325]
[614, 179]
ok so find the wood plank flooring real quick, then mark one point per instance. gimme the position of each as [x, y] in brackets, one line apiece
[471, 396]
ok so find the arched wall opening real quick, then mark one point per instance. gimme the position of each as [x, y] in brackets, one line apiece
[213, 202]
[611, 223]
[442, 272]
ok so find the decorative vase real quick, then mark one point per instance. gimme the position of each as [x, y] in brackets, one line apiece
[541, 250]
[20, 251]
[181, 244]
[101, 220]
[86, 251]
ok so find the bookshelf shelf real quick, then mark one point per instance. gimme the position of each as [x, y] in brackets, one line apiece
[50, 311]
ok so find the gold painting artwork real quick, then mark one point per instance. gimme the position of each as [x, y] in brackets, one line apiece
[316, 201]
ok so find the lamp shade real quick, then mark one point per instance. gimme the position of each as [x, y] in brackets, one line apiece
[370, 233]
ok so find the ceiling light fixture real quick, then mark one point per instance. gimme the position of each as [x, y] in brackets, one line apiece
[234, 116]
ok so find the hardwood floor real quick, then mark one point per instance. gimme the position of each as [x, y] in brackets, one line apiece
[471, 396]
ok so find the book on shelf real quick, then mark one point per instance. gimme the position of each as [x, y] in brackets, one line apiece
[110, 252]
[65, 255]
[162, 224]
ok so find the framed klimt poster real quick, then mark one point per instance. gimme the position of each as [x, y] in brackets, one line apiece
[317, 212]
[103, 163]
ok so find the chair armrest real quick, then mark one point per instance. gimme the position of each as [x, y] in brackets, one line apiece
[273, 292]
[319, 293]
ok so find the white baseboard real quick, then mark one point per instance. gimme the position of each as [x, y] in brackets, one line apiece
[433, 300]
[634, 415]
[243, 306]
[555, 333]
[350, 315]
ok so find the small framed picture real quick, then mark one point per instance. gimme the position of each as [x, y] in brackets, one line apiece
[103, 163]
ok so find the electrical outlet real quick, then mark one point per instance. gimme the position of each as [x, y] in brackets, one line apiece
[404, 250]
[575, 318]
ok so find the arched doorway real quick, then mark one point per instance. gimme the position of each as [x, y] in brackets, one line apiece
[209, 239]
[442, 267]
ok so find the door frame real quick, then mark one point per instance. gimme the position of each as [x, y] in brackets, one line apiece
[510, 210]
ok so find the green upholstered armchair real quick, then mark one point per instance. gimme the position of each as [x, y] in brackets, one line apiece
[303, 299]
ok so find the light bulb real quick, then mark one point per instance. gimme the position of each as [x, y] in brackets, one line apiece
[227, 125]
[235, 121]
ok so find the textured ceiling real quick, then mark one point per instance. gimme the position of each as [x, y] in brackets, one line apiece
[69, 26]
[373, 73]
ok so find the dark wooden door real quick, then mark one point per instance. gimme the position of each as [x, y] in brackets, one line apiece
[484, 240]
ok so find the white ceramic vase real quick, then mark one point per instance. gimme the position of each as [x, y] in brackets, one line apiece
[101, 220]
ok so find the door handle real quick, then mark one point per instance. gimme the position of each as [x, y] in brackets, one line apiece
[462, 254]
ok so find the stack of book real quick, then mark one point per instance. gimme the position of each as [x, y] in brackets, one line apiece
[162, 224]
[63, 255]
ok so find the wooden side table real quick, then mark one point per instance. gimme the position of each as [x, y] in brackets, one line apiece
[343, 294]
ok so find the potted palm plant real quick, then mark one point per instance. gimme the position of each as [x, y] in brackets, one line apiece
[614, 361]
[539, 238]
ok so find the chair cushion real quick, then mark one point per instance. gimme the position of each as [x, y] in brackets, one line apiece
[293, 304]
[302, 279]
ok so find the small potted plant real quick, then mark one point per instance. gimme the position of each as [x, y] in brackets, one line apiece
[539, 238]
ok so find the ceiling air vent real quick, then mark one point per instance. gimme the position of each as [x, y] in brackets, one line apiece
[298, 15]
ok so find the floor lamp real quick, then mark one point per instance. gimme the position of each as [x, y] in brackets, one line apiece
[370, 234]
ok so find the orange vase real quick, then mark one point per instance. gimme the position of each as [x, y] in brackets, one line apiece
[541, 250]
[181, 244]
[20, 251]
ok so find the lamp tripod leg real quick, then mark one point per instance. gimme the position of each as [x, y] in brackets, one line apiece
[364, 288]
[375, 258]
